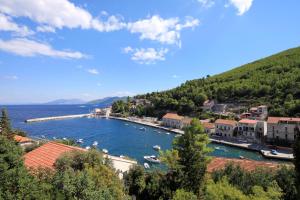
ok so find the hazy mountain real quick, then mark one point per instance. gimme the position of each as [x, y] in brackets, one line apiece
[107, 101]
[65, 102]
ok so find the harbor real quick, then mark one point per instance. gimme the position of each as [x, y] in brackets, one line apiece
[56, 118]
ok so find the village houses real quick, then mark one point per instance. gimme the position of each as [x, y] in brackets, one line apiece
[252, 130]
[224, 127]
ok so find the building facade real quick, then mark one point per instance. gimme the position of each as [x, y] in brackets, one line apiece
[225, 128]
[252, 130]
[172, 120]
[282, 129]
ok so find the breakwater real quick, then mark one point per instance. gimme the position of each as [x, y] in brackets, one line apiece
[56, 118]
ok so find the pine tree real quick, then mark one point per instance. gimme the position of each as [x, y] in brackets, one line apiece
[6, 129]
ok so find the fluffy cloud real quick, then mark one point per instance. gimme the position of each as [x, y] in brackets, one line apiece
[45, 29]
[166, 31]
[29, 48]
[93, 71]
[241, 5]
[13, 77]
[57, 14]
[206, 3]
[7, 24]
[146, 56]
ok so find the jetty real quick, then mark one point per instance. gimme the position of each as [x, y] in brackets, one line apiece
[57, 118]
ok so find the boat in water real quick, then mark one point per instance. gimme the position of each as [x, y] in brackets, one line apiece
[167, 133]
[126, 124]
[156, 147]
[242, 157]
[95, 143]
[79, 141]
[146, 165]
[142, 128]
[65, 138]
[152, 159]
[122, 156]
[87, 147]
[105, 151]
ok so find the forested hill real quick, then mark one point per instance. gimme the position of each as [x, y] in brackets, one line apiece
[274, 81]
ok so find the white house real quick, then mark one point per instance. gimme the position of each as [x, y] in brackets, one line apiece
[225, 128]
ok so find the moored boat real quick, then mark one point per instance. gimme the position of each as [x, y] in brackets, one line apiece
[146, 165]
[156, 147]
[95, 143]
[105, 151]
[152, 159]
[142, 128]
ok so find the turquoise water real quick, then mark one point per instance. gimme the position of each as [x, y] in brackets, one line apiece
[118, 137]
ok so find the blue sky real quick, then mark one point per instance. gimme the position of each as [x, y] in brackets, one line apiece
[52, 49]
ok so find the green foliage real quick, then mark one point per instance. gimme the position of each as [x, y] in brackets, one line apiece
[15, 182]
[135, 181]
[296, 148]
[273, 81]
[70, 142]
[5, 127]
[120, 107]
[183, 195]
[224, 190]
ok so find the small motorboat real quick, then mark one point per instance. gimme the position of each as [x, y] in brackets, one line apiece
[152, 159]
[242, 157]
[142, 128]
[95, 143]
[87, 147]
[167, 133]
[121, 156]
[146, 165]
[79, 141]
[65, 138]
[156, 147]
[105, 151]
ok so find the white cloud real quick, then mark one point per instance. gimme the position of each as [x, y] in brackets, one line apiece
[7, 24]
[166, 31]
[58, 14]
[93, 71]
[45, 29]
[13, 77]
[29, 48]
[206, 3]
[241, 5]
[175, 76]
[146, 55]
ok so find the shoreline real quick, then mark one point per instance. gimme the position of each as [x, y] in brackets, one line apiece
[263, 150]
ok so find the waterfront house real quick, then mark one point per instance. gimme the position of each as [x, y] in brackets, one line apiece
[209, 128]
[225, 128]
[186, 121]
[172, 120]
[282, 129]
[23, 141]
[208, 105]
[259, 113]
[252, 130]
[46, 155]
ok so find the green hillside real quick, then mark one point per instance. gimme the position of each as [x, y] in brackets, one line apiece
[274, 81]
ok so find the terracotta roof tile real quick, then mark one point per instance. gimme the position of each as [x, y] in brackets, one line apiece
[46, 155]
[208, 125]
[275, 120]
[218, 163]
[21, 139]
[226, 122]
[248, 121]
[173, 116]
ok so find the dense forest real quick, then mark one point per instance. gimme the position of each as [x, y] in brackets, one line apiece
[273, 81]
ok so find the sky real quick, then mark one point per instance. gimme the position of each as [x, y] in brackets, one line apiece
[53, 49]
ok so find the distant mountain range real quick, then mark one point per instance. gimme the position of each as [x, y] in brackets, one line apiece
[107, 101]
[65, 102]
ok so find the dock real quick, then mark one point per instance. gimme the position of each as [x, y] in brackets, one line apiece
[57, 118]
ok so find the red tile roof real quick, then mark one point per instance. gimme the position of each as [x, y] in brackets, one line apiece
[249, 165]
[173, 116]
[275, 120]
[21, 139]
[226, 122]
[208, 125]
[248, 121]
[46, 155]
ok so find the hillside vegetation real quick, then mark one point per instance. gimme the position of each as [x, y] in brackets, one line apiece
[274, 81]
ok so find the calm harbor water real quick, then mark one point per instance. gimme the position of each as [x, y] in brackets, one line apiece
[118, 137]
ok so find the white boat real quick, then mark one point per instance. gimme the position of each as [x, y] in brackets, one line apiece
[126, 124]
[87, 147]
[242, 157]
[121, 156]
[152, 159]
[156, 147]
[142, 128]
[79, 141]
[105, 151]
[146, 165]
[167, 133]
[95, 143]
[64, 138]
